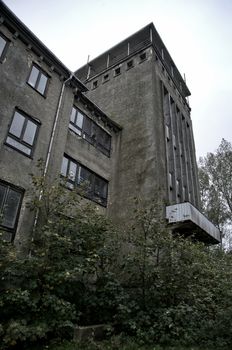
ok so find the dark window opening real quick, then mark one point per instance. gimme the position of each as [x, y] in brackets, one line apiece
[130, 64]
[93, 186]
[117, 71]
[38, 80]
[105, 77]
[22, 133]
[95, 84]
[10, 203]
[143, 56]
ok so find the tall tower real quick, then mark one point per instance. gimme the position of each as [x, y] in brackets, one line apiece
[137, 83]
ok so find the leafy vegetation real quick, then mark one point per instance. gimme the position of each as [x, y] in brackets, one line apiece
[216, 186]
[152, 288]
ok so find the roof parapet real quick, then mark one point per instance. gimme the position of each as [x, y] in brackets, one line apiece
[145, 37]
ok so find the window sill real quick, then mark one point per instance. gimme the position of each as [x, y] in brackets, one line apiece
[44, 96]
[18, 150]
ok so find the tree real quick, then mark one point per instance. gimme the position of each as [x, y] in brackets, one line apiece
[215, 176]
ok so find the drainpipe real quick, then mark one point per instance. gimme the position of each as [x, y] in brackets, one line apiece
[49, 151]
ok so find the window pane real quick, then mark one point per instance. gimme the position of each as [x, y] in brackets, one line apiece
[2, 45]
[29, 133]
[33, 76]
[79, 121]
[72, 171]
[42, 83]
[74, 128]
[100, 188]
[73, 115]
[17, 124]
[2, 196]
[64, 167]
[18, 145]
[11, 208]
[86, 180]
[87, 129]
[104, 139]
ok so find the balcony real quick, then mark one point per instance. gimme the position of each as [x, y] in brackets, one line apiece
[188, 220]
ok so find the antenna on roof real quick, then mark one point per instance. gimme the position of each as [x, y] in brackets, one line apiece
[184, 78]
[88, 59]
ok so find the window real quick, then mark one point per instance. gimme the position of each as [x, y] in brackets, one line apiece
[170, 180]
[174, 141]
[105, 77]
[76, 121]
[178, 188]
[90, 131]
[3, 46]
[10, 203]
[94, 187]
[117, 71]
[95, 83]
[130, 64]
[103, 142]
[22, 133]
[167, 132]
[143, 56]
[38, 79]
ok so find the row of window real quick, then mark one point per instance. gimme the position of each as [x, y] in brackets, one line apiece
[77, 175]
[90, 131]
[37, 79]
[94, 187]
[117, 70]
[23, 132]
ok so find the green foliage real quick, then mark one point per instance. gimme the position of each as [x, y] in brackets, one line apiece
[150, 286]
[45, 293]
[216, 185]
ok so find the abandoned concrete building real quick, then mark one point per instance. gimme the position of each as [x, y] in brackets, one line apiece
[121, 122]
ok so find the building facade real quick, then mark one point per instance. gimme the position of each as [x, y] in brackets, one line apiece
[138, 84]
[140, 146]
[45, 115]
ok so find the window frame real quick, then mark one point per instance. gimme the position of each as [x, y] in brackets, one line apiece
[41, 72]
[130, 64]
[143, 56]
[92, 136]
[76, 182]
[19, 190]
[117, 71]
[3, 54]
[22, 133]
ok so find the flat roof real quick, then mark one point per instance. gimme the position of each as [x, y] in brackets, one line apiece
[145, 37]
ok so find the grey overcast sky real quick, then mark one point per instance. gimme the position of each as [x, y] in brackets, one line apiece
[197, 34]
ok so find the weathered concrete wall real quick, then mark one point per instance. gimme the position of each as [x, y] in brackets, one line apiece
[15, 92]
[133, 99]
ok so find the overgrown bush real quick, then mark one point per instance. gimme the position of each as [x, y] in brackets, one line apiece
[145, 282]
[61, 282]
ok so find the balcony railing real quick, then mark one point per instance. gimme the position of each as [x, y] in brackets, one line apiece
[187, 219]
